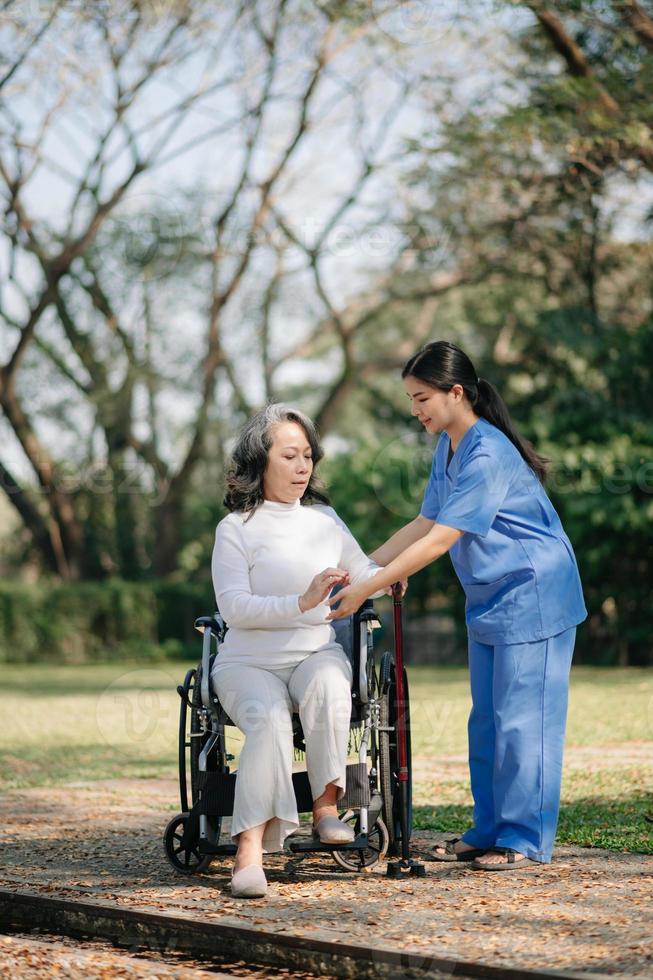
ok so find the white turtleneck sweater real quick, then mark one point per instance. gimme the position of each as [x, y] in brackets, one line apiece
[261, 566]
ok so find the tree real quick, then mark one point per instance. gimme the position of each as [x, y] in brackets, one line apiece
[526, 188]
[204, 272]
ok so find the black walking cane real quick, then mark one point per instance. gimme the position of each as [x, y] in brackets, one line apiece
[405, 866]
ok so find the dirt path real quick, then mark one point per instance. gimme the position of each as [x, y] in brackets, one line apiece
[589, 910]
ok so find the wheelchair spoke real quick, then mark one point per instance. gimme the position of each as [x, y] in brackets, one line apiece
[377, 845]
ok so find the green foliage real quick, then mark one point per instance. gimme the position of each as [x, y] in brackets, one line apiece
[377, 488]
[588, 411]
[71, 624]
[178, 606]
[89, 622]
[524, 192]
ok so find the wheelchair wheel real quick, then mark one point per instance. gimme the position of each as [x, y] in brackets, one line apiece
[184, 742]
[180, 841]
[388, 753]
[378, 840]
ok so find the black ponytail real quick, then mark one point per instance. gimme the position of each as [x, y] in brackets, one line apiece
[443, 365]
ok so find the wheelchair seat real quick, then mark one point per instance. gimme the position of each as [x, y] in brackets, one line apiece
[352, 635]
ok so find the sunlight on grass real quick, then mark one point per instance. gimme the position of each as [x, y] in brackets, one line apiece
[604, 706]
[72, 723]
[611, 808]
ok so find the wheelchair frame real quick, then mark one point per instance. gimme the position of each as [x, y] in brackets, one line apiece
[378, 800]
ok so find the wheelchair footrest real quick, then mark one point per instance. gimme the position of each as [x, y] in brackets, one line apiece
[216, 791]
[311, 845]
[357, 789]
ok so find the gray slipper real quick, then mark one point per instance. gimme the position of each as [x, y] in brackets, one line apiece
[249, 882]
[331, 830]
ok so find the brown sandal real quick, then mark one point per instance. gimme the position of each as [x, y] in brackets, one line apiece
[511, 864]
[450, 854]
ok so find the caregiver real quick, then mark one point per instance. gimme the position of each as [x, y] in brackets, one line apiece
[485, 505]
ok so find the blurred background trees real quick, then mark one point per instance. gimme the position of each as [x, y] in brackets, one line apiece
[206, 208]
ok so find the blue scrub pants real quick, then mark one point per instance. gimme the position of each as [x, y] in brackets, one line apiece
[516, 736]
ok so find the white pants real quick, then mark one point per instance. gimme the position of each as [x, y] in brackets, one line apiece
[261, 701]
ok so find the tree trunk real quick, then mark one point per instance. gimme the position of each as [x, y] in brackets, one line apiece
[167, 532]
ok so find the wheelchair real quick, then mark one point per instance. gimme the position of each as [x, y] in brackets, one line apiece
[378, 797]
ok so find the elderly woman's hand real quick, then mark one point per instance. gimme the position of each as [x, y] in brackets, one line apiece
[320, 587]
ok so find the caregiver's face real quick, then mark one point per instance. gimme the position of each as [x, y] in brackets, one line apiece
[434, 408]
[289, 465]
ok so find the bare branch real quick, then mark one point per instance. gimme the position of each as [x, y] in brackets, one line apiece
[8, 370]
[44, 533]
[640, 22]
[574, 56]
[252, 139]
[19, 61]
[61, 365]
[579, 67]
[104, 306]
[269, 297]
[124, 100]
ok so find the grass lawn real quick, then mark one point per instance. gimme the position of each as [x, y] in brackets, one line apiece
[69, 723]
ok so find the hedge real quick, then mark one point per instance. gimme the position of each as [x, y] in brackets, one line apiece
[90, 622]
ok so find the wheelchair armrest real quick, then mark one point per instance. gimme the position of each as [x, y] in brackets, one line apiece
[366, 613]
[208, 622]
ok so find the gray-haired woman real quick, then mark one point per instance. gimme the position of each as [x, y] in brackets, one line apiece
[275, 562]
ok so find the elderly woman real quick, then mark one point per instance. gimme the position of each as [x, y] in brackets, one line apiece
[275, 561]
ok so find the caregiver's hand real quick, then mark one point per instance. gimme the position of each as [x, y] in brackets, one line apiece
[404, 588]
[350, 599]
[320, 587]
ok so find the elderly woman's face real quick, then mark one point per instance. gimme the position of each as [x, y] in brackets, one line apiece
[290, 464]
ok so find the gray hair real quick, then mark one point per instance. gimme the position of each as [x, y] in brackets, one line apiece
[249, 458]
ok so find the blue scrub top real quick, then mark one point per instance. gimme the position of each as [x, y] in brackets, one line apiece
[515, 562]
